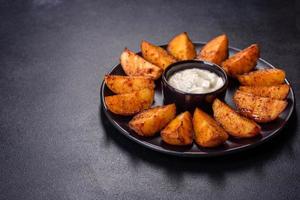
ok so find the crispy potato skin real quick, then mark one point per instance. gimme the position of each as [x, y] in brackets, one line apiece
[126, 84]
[264, 77]
[181, 47]
[275, 92]
[260, 109]
[151, 121]
[208, 133]
[242, 62]
[179, 131]
[216, 50]
[135, 65]
[233, 123]
[156, 55]
[130, 103]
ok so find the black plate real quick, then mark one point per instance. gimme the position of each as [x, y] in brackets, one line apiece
[232, 144]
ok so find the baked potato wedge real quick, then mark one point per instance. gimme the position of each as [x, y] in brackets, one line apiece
[260, 109]
[126, 84]
[135, 65]
[130, 103]
[151, 121]
[156, 55]
[263, 77]
[181, 47]
[216, 50]
[275, 92]
[233, 123]
[208, 133]
[179, 131]
[242, 62]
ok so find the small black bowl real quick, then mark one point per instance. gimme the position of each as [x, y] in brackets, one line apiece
[189, 101]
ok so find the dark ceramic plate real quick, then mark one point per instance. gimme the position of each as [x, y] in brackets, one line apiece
[232, 144]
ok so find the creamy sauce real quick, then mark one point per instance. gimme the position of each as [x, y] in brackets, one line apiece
[196, 81]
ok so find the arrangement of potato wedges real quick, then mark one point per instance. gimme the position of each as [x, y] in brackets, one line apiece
[264, 77]
[235, 124]
[179, 131]
[242, 62]
[275, 92]
[149, 122]
[260, 98]
[216, 50]
[135, 65]
[208, 133]
[130, 103]
[157, 55]
[260, 109]
[126, 84]
[181, 47]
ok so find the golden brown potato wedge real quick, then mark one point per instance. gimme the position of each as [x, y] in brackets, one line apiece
[264, 77]
[275, 92]
[216, 50]
[151, 121]
[130, 103]
[135, 65]
[242, 62]
[208, 133]
[126, 84]
[235, 124]
[181, 47]
[260, 109]
[179, 131]
[156, 55]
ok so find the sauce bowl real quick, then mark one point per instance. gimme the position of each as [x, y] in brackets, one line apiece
[189, 101]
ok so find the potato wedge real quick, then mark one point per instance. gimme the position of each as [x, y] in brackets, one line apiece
[179, 131]
[181, 47]
[151, 121]
[275, 92]
[260, 109]
[216, 50]
[156, 55]
[130, 103]
[242, 62]
[264, 77]
[208, 133]
[126, 84]
[233, 123]
[135, 65]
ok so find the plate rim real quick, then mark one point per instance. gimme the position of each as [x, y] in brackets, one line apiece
[198, 154]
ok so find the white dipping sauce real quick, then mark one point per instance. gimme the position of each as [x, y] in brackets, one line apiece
[196, 81]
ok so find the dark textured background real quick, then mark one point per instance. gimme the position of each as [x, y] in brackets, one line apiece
[56, 144]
